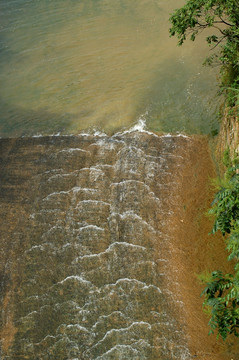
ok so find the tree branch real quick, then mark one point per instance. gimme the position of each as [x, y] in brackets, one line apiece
[222, 38]
[225, 22]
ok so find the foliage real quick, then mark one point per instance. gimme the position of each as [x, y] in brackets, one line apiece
[222, 291]
[222, 18]
[204, 276]
[226, 207]
[226, 157]
[222, 295]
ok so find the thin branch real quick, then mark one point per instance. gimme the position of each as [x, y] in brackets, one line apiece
[216, 27]
[225, 22]
[222, 38]
[221, 31]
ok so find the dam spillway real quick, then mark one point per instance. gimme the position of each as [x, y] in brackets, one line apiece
[86, 263]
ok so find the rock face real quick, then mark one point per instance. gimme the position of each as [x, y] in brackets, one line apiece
[91, 258]
[229, 135]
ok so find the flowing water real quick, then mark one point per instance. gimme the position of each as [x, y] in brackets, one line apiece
[86, 247]
[69, 65]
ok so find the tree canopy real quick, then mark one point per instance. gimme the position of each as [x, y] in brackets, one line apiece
[222, 17]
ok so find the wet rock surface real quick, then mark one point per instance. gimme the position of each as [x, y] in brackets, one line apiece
[86, 252]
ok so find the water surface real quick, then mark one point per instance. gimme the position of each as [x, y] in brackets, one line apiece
[71, 65]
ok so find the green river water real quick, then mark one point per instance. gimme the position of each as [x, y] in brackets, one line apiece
[68, 66]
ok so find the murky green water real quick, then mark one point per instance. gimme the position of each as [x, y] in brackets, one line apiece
[70, 65]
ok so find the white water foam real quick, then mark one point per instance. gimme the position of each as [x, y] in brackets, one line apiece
[140, 126]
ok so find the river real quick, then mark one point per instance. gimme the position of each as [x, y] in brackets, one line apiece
[68, 66]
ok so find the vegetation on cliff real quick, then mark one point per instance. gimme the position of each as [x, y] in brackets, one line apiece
[222, 291]
[221, 19]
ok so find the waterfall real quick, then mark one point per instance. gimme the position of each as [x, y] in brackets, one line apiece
[86, 247]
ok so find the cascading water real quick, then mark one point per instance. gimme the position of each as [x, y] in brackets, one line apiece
[86, 247]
